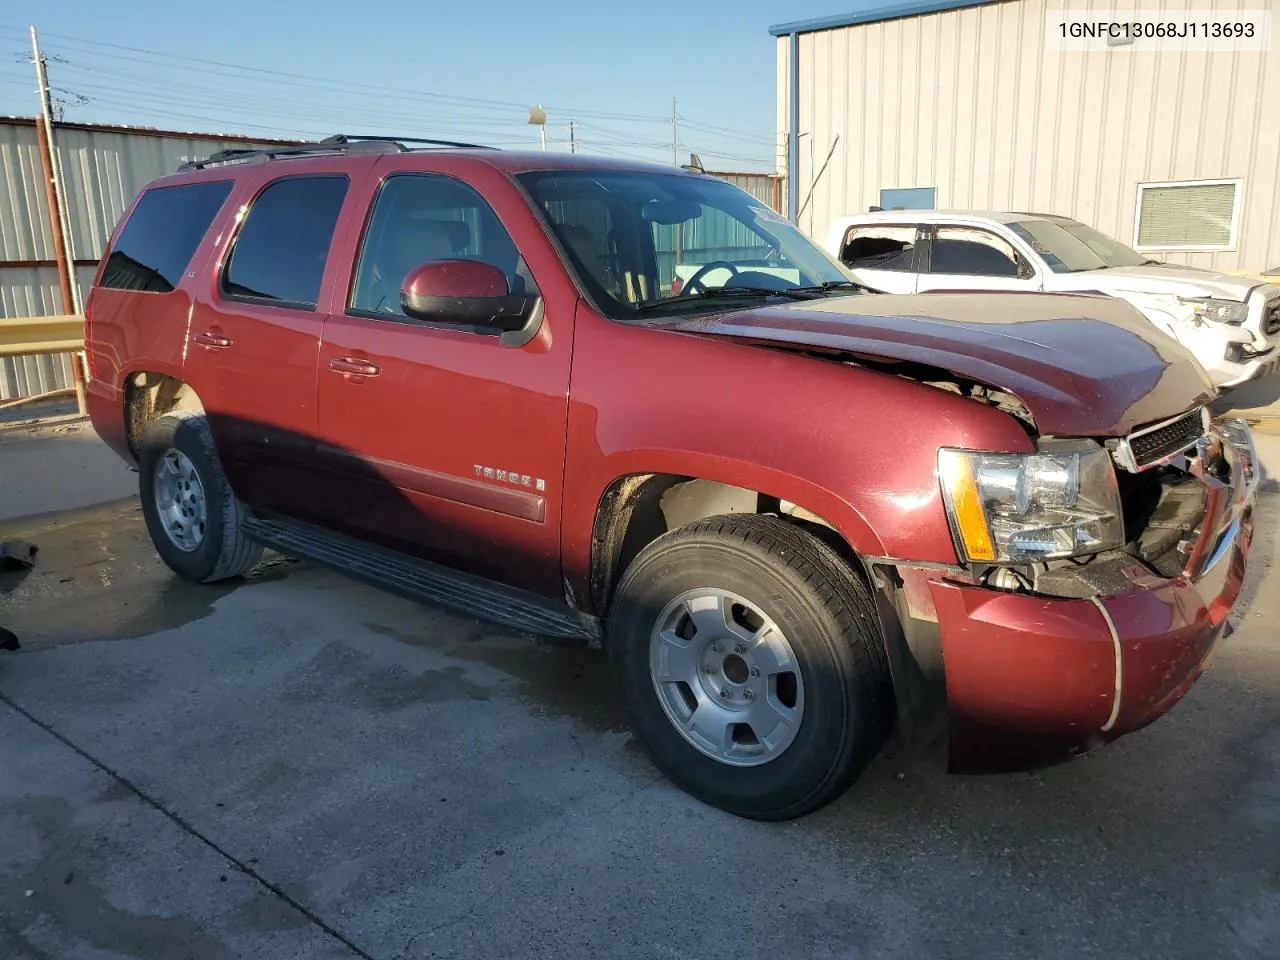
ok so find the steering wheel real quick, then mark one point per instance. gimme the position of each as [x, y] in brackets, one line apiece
[687, 290]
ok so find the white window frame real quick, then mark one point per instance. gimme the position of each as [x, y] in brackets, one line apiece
[1232, 240]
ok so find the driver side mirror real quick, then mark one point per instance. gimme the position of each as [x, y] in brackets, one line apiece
[472, 294]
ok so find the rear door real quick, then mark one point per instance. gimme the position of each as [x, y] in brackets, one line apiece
[444, 443]
[882, 255]
[972, 258]
[253, 339]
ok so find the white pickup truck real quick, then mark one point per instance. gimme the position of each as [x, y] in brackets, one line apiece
[1230, 323]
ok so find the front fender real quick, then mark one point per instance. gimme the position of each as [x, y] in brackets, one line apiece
[854, 446]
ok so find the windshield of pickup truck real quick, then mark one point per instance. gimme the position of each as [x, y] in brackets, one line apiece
[1069, 246]
[646, 243]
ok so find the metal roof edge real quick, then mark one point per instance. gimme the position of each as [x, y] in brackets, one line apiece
[898, 10]
[14, 120]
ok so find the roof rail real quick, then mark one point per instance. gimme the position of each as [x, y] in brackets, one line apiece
[353, 139]
[338, 143]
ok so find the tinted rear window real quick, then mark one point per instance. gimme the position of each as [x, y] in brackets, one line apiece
[280, 253]
[161, 236]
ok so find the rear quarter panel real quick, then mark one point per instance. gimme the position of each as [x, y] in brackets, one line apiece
[856, 447]
[127, 331]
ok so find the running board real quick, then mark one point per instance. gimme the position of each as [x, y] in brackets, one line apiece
[422, 580]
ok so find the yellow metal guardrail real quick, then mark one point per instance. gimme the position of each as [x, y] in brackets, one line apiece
[24, 335]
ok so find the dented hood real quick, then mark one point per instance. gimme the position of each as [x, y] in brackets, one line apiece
[1082, 365]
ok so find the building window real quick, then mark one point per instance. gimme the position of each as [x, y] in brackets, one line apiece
[1187, 215]
[907, 198]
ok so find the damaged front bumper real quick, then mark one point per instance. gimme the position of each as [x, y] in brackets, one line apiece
[1032, 679]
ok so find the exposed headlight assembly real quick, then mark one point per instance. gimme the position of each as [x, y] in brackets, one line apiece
[1219, 311]
[1061, 501]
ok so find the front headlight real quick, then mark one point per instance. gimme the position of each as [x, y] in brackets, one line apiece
[1219, 311]
[1061, 501]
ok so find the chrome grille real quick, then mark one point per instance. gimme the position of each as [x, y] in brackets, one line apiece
[1149, 446]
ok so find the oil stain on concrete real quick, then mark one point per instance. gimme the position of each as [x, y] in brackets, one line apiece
[66, 892]
[571, 681]
[98, 577]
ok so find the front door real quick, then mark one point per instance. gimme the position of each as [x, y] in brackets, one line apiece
[450, 445]
[972, 258]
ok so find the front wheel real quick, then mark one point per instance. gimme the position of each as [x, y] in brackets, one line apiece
[192, 514]
[751, 665]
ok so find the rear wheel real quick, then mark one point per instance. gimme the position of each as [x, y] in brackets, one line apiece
[194, 518]
[751, 665]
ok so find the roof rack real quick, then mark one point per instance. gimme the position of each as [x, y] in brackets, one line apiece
[338, 143]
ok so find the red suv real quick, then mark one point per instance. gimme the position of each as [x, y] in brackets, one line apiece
[801, 516]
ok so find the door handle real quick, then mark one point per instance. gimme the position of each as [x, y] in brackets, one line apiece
[215, 341]
[351, 367]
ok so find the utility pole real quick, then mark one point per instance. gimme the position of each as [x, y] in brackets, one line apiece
[58, 222]
[573, 144]
[675, 136]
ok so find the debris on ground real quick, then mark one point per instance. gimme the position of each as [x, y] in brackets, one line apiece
[17, 555]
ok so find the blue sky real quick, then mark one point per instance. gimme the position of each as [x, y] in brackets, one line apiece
[458, 71]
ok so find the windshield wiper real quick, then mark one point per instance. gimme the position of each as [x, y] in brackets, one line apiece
[729, 293]
[828, 285]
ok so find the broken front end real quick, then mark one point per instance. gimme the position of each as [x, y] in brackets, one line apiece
[1095, 579]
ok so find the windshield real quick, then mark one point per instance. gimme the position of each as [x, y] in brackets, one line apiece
[1069, 246]
[671, 242]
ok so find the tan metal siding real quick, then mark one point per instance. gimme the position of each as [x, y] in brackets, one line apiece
[971, 102]
[762, 186]
[103, 170]
[24, 214]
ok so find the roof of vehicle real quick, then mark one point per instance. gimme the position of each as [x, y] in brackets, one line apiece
[915, 216]
[338, 151]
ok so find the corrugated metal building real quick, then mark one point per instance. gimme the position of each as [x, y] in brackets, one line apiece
[102, 167]
[962, 104]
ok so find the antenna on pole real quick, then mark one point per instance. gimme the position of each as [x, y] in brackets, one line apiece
[573, 144]
[538, 118]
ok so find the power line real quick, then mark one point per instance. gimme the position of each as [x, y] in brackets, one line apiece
[307, 113]
[486, 118]
[728, 132]
[311, 80]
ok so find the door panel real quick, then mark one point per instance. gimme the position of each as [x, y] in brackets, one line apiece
[970, 258]
[253, 340]
[446, 444]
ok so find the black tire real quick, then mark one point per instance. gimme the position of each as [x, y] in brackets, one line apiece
[829, 619]
[224, 552]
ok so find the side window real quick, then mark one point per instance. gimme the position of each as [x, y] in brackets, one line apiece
[585, 226]
[418, 218]
[161, 236]
[279, 255]
[971, 252]
[887, 247]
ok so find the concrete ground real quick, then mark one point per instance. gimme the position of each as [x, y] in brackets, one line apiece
[57, 464]
[303, 767]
